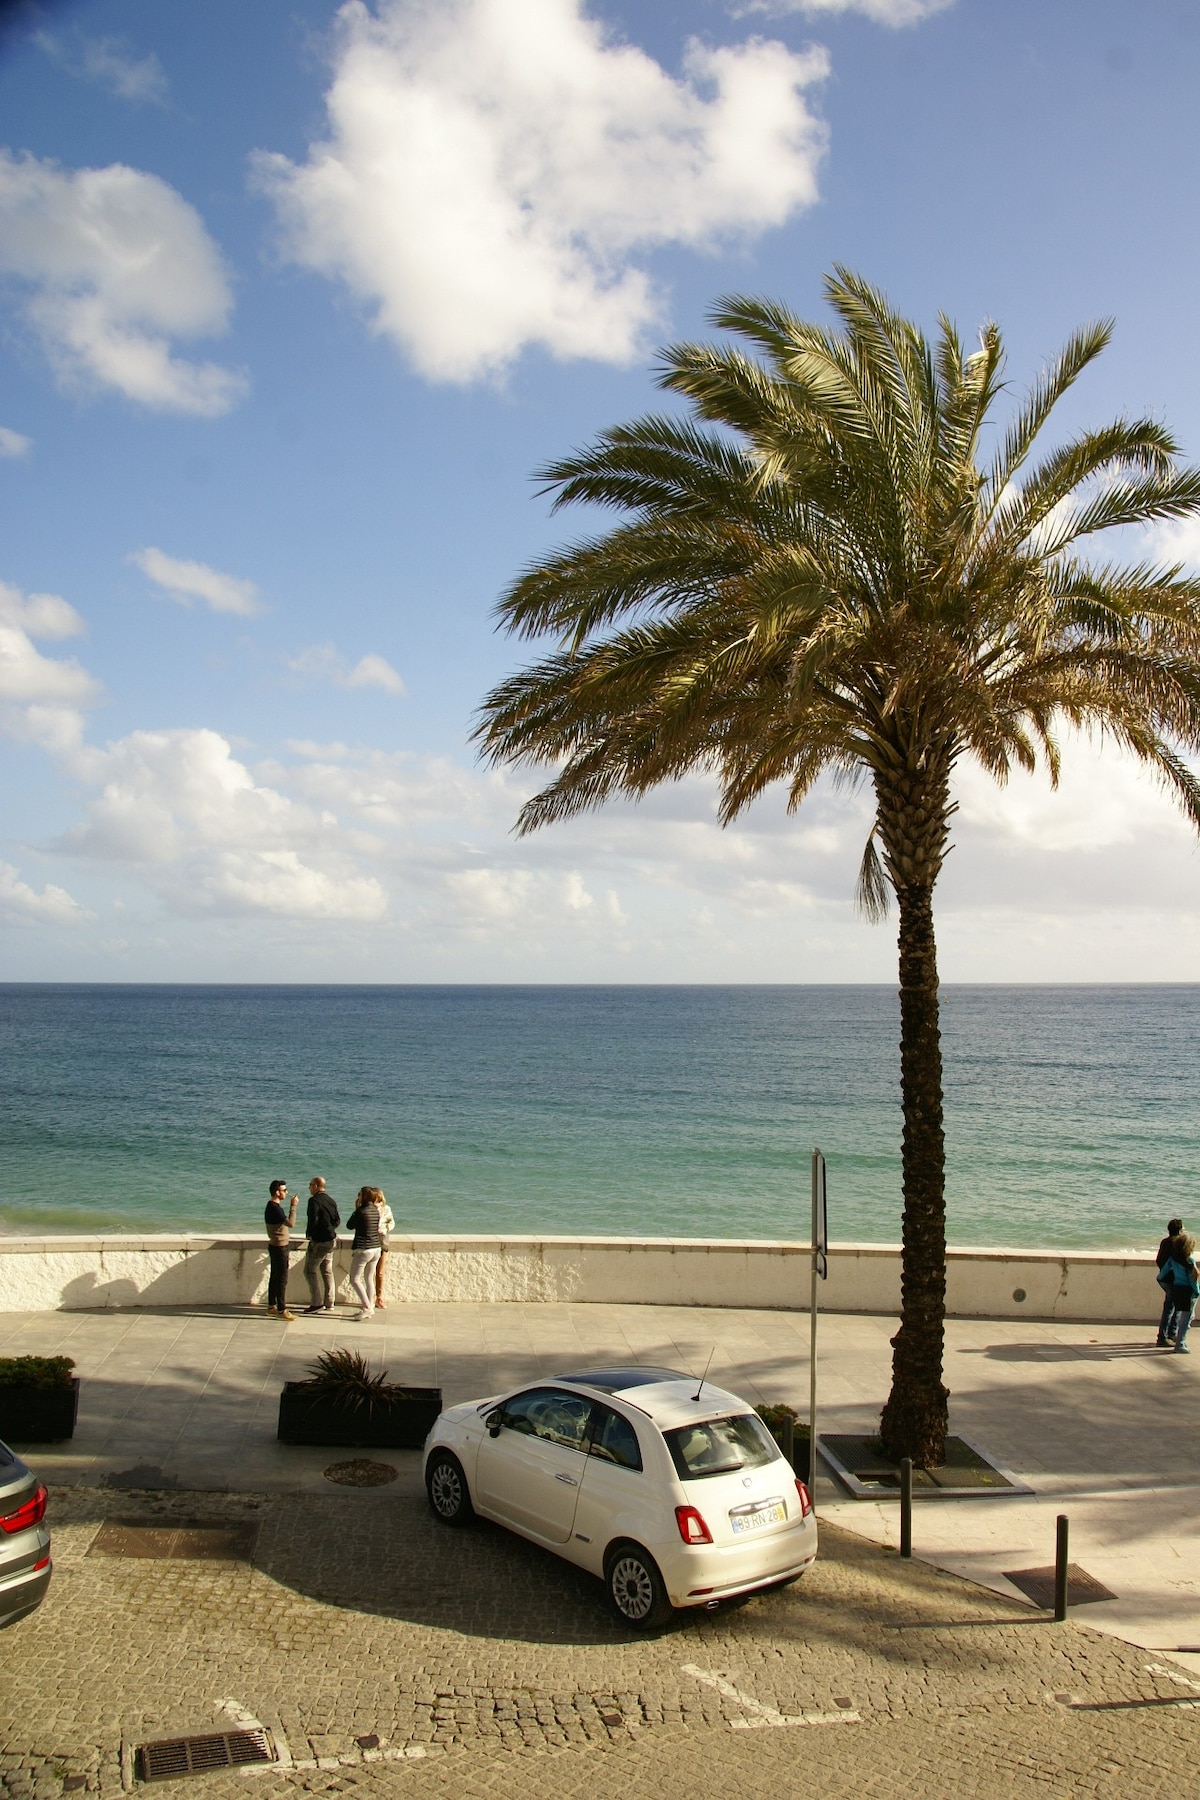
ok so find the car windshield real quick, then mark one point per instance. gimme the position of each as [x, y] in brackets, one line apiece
[720, 1446]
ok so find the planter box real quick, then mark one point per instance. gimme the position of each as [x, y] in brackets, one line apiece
[33, 1415]
[308, 1418]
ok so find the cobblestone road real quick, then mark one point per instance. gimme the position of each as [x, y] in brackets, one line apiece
[473, 1664]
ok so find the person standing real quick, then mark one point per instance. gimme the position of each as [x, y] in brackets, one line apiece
[323, 1221]
[1166, 1323]
[364, 1252]
[387, 1224]
[1184, 1289]
[279, 1231]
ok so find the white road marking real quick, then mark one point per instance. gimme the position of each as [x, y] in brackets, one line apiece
[760, 1714]
[1172, 1675]
[1182, 1680]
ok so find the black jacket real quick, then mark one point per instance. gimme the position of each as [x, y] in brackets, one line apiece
[323, 1219]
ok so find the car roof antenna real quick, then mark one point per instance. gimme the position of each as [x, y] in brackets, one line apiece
[704, 1377]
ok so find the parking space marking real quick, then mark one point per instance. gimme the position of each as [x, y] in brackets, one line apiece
[761, 1714]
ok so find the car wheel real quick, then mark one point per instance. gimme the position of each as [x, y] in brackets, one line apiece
[447, 1488]
[635, 1588]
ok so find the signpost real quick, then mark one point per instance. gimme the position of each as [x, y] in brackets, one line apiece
[820, 1267]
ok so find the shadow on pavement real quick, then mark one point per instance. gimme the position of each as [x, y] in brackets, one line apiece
[1069, 1353]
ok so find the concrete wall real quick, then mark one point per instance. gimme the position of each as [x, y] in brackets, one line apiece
[84, 1274]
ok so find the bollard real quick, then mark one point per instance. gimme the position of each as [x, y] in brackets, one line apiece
[1060, 1569]
[906, 1506]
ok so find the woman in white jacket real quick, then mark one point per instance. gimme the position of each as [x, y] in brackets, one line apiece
[387, 1225]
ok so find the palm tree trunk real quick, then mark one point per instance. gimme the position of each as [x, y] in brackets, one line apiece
[914, 816]
[915, 1419]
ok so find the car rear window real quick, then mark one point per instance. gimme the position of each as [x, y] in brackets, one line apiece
[720, 1446]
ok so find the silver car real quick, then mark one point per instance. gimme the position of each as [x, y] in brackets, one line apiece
[24, 1539]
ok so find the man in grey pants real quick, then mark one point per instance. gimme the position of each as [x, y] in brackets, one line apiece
[323, 1221]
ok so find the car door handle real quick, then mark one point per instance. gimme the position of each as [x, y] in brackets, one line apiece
[569, 1479]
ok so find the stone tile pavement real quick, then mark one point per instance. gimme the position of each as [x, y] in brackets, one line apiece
[359, 1618]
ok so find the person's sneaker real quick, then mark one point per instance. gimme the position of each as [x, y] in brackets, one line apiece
[286, 1316]
[1160, 1343]
[310, 1310]
[1182, 1350]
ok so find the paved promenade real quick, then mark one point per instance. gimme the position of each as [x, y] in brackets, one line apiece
[474, 1664]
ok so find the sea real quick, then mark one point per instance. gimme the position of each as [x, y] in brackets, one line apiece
[692, 1112]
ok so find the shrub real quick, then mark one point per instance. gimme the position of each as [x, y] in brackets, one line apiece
[35, 1371]
[345, 1377]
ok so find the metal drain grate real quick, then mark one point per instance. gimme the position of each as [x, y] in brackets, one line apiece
[169, 1757]
[1038, 1585]
[186, 1540]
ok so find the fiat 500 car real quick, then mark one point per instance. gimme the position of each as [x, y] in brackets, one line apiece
[674, 1493]
[24, 1539]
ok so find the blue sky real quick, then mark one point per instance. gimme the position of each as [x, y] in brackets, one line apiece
[294, 300]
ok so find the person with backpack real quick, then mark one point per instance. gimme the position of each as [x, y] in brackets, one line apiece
[1178, 1278]
[323, 1221]
[1166, 1323]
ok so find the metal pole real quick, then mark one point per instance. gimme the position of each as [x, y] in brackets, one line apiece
[906, 1506]
[1060, 1569]
[812, 1341]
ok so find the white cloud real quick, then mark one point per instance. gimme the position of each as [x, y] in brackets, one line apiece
[12, 443]
[116, 266]
[111, 64]
[494, 167]
[41, 697]
[321, 662]
[21, 905]
[1105, 800]
[180, 806]
[883, 12]
[1177, 541]
[188, 581]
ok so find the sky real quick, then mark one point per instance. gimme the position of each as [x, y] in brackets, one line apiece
[295, 299]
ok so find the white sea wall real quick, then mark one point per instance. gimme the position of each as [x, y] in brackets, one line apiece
[80, 1274]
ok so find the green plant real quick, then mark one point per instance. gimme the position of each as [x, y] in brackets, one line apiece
[35, 1371]
[834, 564]
[346, 1378]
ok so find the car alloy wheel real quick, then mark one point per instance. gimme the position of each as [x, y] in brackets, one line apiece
[446, 1486]
[636, 1589]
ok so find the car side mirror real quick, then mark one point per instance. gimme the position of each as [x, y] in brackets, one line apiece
[494, 1421]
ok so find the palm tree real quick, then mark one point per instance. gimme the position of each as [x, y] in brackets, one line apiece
[818, 566]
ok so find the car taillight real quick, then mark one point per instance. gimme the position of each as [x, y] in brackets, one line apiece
[692, 1528]
[806, 1505]
[32, 1513]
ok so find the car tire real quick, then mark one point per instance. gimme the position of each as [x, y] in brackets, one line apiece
[636, 1591]
[446, 1486]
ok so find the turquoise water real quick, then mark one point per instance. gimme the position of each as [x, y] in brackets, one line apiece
[673, 1111]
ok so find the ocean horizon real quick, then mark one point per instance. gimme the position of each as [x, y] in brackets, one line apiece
[667, 1111]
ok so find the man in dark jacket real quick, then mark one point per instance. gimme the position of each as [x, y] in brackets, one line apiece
[1166, 1324]
[323, 1221]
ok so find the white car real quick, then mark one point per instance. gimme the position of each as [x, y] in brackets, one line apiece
[672, 1491]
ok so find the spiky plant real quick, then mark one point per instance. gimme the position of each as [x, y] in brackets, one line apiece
[822, 568]
[345, 1376]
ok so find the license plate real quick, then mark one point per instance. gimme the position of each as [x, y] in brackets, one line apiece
[753, 1518]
